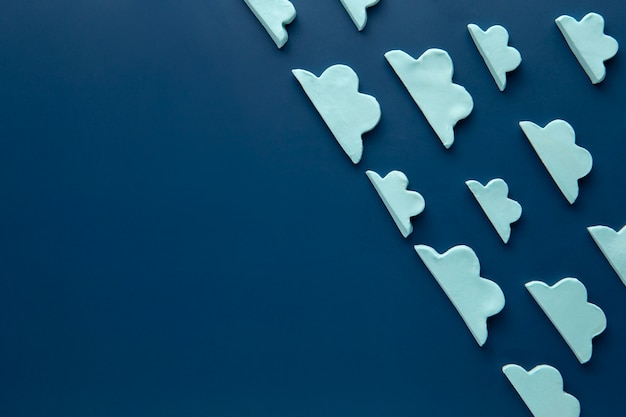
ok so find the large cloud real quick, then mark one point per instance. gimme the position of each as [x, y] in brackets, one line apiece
[541, 389]
[565, 304]
[274, 15]
[495, 202]
[347, 113]
[357, 9]
[401, 203]
[429, 81]
[493, 45]
[458, 273]
[588, 42]
[556, 146]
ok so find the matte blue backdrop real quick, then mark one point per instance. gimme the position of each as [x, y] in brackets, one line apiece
[180, 235]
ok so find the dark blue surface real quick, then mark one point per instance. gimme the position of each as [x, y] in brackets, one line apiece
[181, 235]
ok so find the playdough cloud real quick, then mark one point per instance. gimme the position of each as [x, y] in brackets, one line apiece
[501, 210]
[589, 44]
[541, 389]
[274, 15]
[401, 203]
[357, 9]
[347, 113]
[493, 47]
[556, 146]
[458, 273]
[429, 81]
[613, 246]
[565, 304]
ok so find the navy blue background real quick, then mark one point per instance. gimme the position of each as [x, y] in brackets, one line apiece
[180, 235]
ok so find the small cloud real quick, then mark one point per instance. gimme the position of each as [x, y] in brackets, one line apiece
[613, 246]
[541, 389]
[565, 304]
[458, 273]
[589, 44]
[493, 199]
[429, 81]
[556, 146]
[401, 203]
[493, 47]
[274, 15]
[357, 9]
[347, 113]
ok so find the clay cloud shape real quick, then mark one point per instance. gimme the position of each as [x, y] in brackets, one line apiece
[401, 203]
[274, 15]
[493, 45]
[458, 273]
[541, 389]
[613, 246]
[357, 9]
[429, 81]
[347, 113]
[556, 146]
[495, 202]
[565, 304]
[589, 44]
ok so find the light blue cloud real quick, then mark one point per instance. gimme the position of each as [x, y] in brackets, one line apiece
[274, 15]
[357, 9]
[493, 45]
[556, 146]
[565, 304]
[499, 208]
[458, 273]
[613, 246]
[541, 389]
[429, 81]
[347, 113]
[401, 203]
[589, 44]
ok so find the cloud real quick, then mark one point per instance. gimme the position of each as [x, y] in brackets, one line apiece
[613, 246]
[458, 273]
[347, 113]
[589, 44]
[556, 146]
[274, 15]
[493, 47]
[357, 9]
[401, 203]
[565, 304]
[429, 81]
[541, 389]
[493, 199]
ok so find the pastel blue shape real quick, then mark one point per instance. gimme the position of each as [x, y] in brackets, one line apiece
[347, 113]
[429, 81]
[458, 273]
[493, 46]
[556, 146]
[541, 389]
[578, 321]
[613, 246]
[274, 15]
[357, 9]
[401, 203]
[499, 208]
[589, 44]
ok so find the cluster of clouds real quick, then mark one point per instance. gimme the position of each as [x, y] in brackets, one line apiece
[275, 15]
[349, 114]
